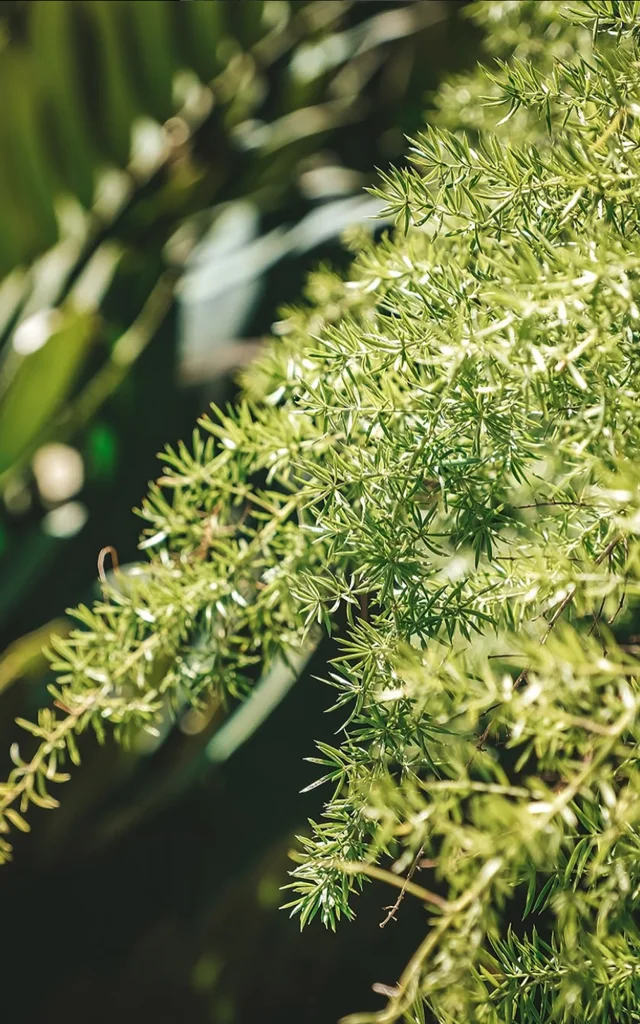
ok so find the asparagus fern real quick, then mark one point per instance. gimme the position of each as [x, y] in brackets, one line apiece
[437, 459]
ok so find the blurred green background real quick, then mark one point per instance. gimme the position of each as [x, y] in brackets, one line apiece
[169, 173]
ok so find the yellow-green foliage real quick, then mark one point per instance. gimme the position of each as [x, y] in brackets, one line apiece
[438, 459]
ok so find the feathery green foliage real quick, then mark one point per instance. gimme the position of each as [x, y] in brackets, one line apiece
[437, 460]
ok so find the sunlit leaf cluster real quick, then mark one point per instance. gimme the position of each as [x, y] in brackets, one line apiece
[436, 461]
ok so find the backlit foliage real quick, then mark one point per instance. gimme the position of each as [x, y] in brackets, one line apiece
[437, 459]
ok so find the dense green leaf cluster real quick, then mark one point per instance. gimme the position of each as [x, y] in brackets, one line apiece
[437, 460]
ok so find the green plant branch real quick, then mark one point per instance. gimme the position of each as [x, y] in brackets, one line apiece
[409, 984]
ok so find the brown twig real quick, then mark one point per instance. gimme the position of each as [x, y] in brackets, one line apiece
[108, 550]
[546, 504]
[623, 595]
[353, 867]
[396, 906]
[596, 618]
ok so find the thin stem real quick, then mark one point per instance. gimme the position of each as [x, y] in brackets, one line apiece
[351, 867]
[28, 771]
[409, 985]
[405, 888]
